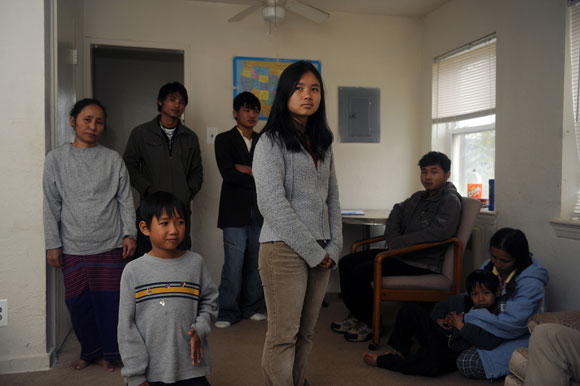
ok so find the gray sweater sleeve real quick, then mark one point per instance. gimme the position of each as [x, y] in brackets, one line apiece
[269, 171]
[207, 309]
[126, 206]
[52, 205]
[131, 344]
[334, 247]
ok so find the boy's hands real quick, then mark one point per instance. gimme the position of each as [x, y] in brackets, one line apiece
[196, 350]
[144, 384]
[456, 320]
[54, 257]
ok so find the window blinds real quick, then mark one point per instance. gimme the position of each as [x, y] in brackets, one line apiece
[464, 82]
[575, 66]
[575, 55]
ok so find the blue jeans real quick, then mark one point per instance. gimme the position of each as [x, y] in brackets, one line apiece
[240, 293]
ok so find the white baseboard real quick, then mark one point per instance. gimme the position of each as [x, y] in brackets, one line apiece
[22, 364]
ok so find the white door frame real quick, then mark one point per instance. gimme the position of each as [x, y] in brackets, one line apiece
[170, 46]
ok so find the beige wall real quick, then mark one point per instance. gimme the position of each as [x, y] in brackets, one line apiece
[22, 140]
[529, 128]
[366, 51]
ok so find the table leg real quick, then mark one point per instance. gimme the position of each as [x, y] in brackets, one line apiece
[366, 234]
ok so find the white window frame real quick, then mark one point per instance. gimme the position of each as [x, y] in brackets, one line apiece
[447, 144]
[466, 130]
[443, 136]
[568, 226]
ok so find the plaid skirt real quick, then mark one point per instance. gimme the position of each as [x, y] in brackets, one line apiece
[91, 285]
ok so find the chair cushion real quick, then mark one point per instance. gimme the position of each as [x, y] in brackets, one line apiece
[422, 282]
[566, 318]
[519, 362]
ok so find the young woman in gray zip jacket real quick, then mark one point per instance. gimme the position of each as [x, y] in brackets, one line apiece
[301, 238]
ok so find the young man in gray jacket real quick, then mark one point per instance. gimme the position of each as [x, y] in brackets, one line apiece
[164, 155]
[428, 215]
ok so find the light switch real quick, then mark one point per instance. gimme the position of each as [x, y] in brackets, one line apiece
[212, 132]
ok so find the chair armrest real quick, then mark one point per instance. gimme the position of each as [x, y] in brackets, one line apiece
[566, 318]
[413, 248]
[360, 243]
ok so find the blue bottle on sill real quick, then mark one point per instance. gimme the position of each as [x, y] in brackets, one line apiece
[491, 195]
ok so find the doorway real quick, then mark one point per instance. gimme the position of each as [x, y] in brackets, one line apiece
[127, 80]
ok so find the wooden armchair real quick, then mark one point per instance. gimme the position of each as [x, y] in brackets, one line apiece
[425, 288]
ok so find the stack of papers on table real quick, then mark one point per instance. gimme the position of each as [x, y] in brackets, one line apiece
[352, 211]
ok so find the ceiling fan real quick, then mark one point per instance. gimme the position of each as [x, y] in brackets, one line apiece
[274, 11]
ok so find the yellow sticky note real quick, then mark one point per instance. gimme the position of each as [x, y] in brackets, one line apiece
[263, 79]
[264, 95]
[246, 72]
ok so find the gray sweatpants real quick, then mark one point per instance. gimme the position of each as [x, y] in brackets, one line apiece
[553, 356]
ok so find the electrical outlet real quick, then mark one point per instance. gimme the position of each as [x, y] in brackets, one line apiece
[3, 312]
[212, 132]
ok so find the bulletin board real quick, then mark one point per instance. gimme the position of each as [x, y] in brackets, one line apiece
[260, 77]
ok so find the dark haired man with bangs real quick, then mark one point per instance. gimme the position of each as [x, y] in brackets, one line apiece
[241, 293]
[428, 215]
[164, 155]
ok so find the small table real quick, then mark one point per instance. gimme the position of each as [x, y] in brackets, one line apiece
[370, 217]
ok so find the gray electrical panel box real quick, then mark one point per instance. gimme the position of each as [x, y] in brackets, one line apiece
[358, 114]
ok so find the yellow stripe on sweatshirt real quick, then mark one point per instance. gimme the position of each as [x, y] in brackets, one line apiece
[164, 290]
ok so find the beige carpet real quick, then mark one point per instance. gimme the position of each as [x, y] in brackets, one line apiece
[237, 354]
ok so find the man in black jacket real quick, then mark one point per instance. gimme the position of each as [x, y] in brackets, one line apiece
[240, 292]
[428, 215]
[164, 155]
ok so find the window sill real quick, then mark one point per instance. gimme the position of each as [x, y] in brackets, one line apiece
[486, 217]
[565, 228]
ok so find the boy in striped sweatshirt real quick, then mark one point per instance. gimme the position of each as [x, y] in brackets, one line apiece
[168, 302]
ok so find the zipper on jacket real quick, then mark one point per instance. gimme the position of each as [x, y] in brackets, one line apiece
[317, 168]
[170, 141]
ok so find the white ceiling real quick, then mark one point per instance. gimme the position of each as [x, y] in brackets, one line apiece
[409, 8]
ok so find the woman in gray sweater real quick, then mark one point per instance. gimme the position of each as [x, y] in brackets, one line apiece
[301, 238]
[89, 227]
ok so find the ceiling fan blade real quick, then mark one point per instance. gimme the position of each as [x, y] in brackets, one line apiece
[308, 11]
[246, 12]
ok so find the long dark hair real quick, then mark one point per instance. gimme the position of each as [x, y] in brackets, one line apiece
[514, 242]
[281, 127]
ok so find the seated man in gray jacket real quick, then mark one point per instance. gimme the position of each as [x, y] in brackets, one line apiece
[428, 215]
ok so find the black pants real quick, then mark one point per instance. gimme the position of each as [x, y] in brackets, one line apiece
[356, 272]
[433, 357]
[201, 381]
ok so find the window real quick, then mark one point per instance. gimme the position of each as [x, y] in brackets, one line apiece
[575, 69]
[463, 113]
